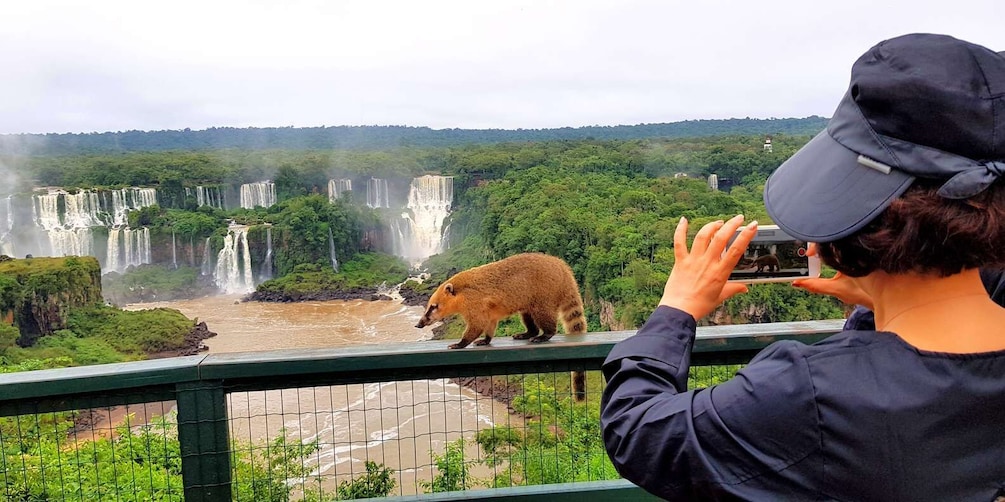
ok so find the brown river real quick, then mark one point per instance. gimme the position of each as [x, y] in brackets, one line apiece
[398, 424]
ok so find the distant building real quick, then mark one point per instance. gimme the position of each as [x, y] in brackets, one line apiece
[680, 175]
[767, 145]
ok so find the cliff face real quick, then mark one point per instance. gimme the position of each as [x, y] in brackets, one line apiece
[36, 293]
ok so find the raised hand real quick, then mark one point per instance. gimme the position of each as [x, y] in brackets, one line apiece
[697, 283]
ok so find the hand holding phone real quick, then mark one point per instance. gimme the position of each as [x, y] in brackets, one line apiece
[774, 256]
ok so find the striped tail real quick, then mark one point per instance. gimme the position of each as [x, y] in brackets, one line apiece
[574, 321]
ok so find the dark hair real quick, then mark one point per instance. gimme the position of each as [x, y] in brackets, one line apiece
[924, 233]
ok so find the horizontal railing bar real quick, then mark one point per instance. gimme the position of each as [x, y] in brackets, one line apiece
[99, 378]
[600, 491]
[357, 364]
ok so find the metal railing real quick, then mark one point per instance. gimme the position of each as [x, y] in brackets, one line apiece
[311, 424]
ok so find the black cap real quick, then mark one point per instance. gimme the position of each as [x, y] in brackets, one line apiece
[920, 105]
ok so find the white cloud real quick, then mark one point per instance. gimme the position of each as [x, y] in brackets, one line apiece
[118, 65]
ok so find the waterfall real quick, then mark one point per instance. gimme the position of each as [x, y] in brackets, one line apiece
[128, 199]
[81, 209]
[419, 234]
[127, 248]
[136, 244]
[266, 272]
[376, 193]
[113, 260]
[233, 263]
[337, 187]
[6, 242]
[262, 193]
[70, 242]
[208, 196]
[174, 252]
[207, 261]
[46, 209]
[331, 249]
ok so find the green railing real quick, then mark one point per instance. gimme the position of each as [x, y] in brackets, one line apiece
[236, 423]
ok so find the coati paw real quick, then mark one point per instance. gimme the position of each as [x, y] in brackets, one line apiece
[482, 341]
[522, 336]
[540, 338]
[457, 345]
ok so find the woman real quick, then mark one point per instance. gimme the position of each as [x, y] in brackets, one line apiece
[901, 194]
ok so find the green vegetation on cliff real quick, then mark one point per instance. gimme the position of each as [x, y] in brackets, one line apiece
[52, 315]
[355, 279]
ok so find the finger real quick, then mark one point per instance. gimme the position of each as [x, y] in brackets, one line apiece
[739, 246]
[811, 249]
[730, 290]
[701, 240]
[680, 240]
[726, 232]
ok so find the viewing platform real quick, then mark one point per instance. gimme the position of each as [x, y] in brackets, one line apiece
[308, 424]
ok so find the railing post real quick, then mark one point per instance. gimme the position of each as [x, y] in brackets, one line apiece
[204, 439]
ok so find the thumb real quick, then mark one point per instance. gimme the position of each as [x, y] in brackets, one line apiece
[730, 290]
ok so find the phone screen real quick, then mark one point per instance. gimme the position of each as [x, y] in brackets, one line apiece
[774, 256]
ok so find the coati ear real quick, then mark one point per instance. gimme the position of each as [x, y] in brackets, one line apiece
[449, 288]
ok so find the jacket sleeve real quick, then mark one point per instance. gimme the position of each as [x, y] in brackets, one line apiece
[740, 437]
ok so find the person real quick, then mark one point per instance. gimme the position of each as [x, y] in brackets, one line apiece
[902, 194]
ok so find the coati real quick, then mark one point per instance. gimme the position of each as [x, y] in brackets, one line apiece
[540, 287]
[768, 261]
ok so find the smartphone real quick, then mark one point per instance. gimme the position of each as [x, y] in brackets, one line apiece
[774, 256]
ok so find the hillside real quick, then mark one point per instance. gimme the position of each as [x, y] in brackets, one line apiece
[380, 137]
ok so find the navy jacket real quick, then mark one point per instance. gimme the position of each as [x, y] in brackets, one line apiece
[861, 415]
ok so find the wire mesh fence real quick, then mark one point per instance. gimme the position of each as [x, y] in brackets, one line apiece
[125, 452]
[420, 436]
[319, 426]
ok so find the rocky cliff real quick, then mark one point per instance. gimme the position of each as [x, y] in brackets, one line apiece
[36, 293]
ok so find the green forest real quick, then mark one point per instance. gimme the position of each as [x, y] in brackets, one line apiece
[379, 137]
[608, 207]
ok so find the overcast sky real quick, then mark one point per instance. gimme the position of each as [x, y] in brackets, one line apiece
[76, 66]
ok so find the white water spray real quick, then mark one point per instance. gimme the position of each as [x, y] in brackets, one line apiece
[377, 193]
[419, 233]
[262, 193]
[233, 263]
[337, 187]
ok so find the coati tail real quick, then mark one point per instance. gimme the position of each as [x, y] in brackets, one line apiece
[573, 318]
[574, 321]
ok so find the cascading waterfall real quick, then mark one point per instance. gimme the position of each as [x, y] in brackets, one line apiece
[46, 211]
[419, 234]
[114, 251]
[233, 263]
[377, 193]
[266, 271]
[67, 219]
[209, 196]
[207, 260]
[174, 252]
[331, 249]
[6, 242]
[262, 193]
[137, 246]
[128, 199]
[82, 209]
[337, 187]
[70, 241]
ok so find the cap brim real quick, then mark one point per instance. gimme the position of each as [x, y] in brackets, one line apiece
[822, 193]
